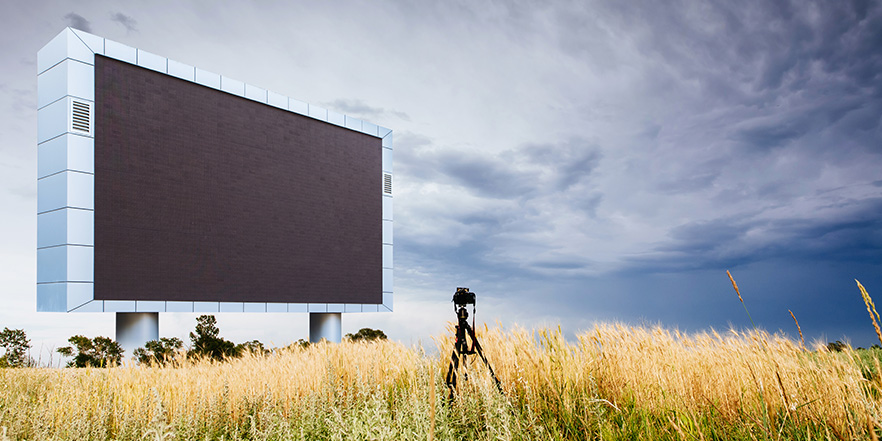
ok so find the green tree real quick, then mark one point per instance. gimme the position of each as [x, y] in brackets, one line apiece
[97, 352]
[366, 334]
[161, 352]
[207, 343]
[15, 344]
[253, 346]
[299, 344]
[836, 346]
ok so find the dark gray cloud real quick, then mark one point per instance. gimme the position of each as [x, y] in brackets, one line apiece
[525, 172]
[77, 21]
[485, 176]
[853, 234]
[125, 20]
[360, 109]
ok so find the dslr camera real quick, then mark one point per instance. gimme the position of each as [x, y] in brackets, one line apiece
[463, 297]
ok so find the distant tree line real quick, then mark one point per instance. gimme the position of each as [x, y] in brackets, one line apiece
[205, 342]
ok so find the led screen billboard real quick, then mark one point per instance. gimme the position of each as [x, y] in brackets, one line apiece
[182, 190]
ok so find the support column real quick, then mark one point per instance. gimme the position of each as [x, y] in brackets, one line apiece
[133, 329]
[325, 325]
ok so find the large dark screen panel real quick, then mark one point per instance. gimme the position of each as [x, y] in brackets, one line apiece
[204, 196]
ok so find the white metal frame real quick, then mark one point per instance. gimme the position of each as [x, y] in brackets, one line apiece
[65, 178]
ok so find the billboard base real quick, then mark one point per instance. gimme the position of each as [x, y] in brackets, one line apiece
[325, 326]
[134, 329]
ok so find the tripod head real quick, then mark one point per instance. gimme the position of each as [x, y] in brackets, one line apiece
[462, 315]
[462, 298]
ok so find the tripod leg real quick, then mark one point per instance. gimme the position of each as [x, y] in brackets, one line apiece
[451, 374]
[477, 348]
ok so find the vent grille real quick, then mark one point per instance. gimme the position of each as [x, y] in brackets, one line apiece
[81, 116]
[387, 183]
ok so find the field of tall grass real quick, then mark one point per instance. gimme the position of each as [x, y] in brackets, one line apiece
[613, 382]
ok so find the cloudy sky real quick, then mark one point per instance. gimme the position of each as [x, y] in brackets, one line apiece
[571, 162]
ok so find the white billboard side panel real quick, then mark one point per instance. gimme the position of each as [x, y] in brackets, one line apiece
[387, 232]
[277, 100]
[119, 305]
[80, 190]
[52, 193]
[230, 85]
[206, 307]
[298, 307]
[255, 93]
[80, 263]
[64, 45]
[317, 112]
[276, 307]
[52, 228]
[317, 307]
[52, 120]
[353, 123]
[387, 280]
[370, 128]
[152, 61]
[93, 42]
[149, 306]
[172, 306]
[181, 70]
[207, 78]
[80, 227]
[254, 307]
[387, 256]
[120, 52]
[298, 106]
[387, 208]
[66, 152]
[52, 297]
[232, 307]
[336, 118]
[387, 160]
[91, 306]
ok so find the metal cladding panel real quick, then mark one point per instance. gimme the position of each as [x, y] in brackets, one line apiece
[276, 307]
[152, 61]
[70, 77]
[52, 297]
[120, 51]
[52, 120]
[208, 197]
[65, 45]
[181, 70]
[63, 190]
[68, 226]
[66, 152]
[387, 232]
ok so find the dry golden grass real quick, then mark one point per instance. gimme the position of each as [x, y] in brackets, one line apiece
[614, 382]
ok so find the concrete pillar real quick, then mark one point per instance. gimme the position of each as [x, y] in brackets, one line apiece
[325, 325]
[133, 329]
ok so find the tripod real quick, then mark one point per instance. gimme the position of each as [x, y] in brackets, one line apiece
[461, 350]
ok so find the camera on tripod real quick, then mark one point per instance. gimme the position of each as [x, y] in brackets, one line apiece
[463, 297]
[461, 348]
